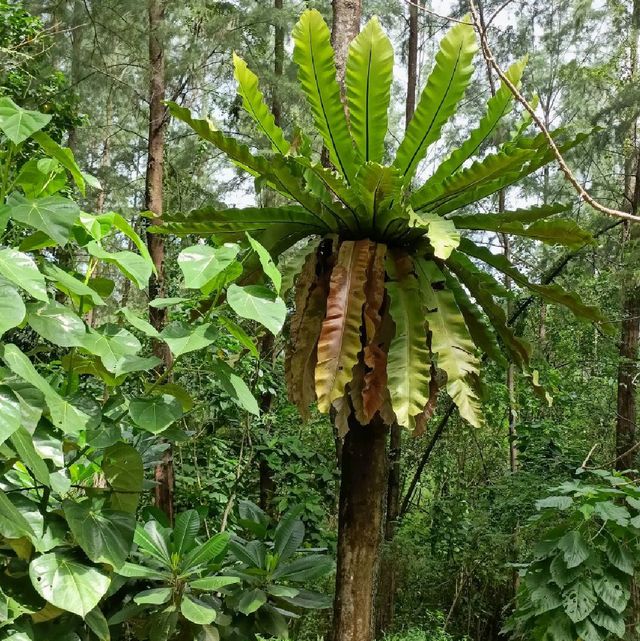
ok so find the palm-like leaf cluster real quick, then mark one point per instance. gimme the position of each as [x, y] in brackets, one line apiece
[392, 293]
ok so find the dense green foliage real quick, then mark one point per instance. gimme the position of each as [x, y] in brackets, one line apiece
[543, 549]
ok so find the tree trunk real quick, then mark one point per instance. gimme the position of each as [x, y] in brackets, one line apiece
[346, 25]
[278, 63]
[77, 33]
[164, 474]
[412, 62]
[386, 597]
[627, 374]
[360, 530]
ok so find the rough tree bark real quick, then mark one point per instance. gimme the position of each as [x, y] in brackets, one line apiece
[346, 26]
[361, 519]
[164, 474]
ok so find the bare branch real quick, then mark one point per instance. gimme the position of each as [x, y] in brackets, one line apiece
[580, 190]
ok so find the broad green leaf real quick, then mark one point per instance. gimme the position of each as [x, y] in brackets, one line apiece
[22, 442]
[451, 343]
[17, 123]
[56, 323]
[409, 361]
[105, 535]
[587, 631]
[64, 414]
[181, 339]
[162, 303]
[276, 170]
[124, 473]
[139, 323]
[116, 221]
[498, 106]
[378, 188]
[442, 233]
[237, 389]
[251, 601]
[21, 270]
[579, 600]
[574, 548]
[155, 414]
[524, 216]
[612, 591]
[156, 596]
[557, 502]
[552, 293]
[552, 232]
[10, 413]
[197, 611]
[288, 537]
[96, 621]
[481, 287]
[53, 215]
[136, 268]
[12, 308]
[112, 343]
[444, 89]
[71, 285]
[185, 531]
[314, 56]
[201, 263]
[256, 107]
[232, 223]
[306, 568]
[306, 599]
[213, 583]
[239, 334]
[154, 540]
[63, 155]
[205, 553]
[67, 584]
[134, 571]
[268, 266]
[479, 328]
[620, 556]
[13, 524]
[259, 304]
[614, 623]
[369, 74]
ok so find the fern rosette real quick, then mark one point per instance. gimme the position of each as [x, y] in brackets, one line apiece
[392, 298]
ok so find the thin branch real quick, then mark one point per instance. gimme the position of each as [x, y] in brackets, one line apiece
[580, 190]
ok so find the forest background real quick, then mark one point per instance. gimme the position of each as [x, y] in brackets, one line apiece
[461, 498]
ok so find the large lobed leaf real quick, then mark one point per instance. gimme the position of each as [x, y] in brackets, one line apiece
[314, 56]
[369, 75]
[498, 106]
[451, 343]
[444, 89]
[409, 361]
[256, 107]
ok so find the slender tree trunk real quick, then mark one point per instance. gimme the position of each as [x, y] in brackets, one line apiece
[278, 63]
[164, 474]
[360, 529]
[412, 62]
[346, 25]
[77, 33]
